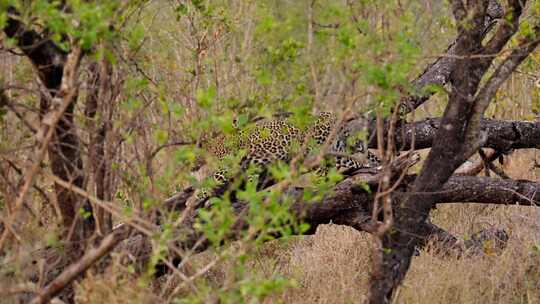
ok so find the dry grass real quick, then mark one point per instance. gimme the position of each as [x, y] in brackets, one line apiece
[114, 287]
[332, 266]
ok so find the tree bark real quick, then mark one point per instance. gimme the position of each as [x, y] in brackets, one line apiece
[502, 135]
[438, 72]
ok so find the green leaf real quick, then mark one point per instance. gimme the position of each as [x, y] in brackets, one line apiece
[206, 98]
[185, 154]
[161, 136]
[177, 109]
[132, 104]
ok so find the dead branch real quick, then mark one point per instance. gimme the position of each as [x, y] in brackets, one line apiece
[502, 135]
[487, 190]
[438, 72]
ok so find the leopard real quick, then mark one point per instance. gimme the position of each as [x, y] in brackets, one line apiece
[268, 141]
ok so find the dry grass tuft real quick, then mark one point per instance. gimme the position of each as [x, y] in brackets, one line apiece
[332, 266]
[328, 267]
[114, 286]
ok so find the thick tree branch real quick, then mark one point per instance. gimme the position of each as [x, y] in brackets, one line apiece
[487, 190]
[46, 56]
[438, 72]
[503, 71]
[502, 135]
[509, 25]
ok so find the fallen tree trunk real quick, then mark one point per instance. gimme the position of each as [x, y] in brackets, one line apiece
[349, 204]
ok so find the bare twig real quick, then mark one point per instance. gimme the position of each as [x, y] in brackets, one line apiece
[4, 101]
[19, 288]
[153, 154]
